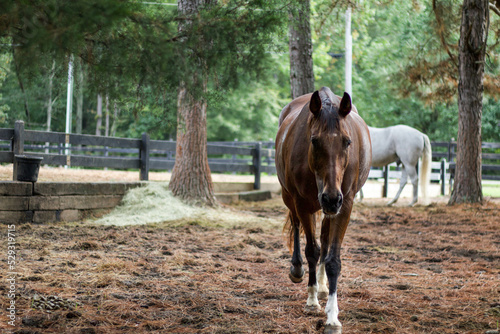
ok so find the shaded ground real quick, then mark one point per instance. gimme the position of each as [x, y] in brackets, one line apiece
[433, 269]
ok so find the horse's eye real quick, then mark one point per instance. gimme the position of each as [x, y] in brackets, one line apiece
[347, 142]
[314, 141]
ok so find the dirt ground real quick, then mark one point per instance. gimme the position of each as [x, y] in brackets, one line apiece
[425, 269]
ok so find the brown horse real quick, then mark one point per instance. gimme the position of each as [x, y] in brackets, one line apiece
[323, 157]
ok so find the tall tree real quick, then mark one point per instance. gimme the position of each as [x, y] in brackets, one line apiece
[50, 99]
[191, 179]
[99, 115]
[472, 49]
[301, 50]
[131, 48]
[79, 97]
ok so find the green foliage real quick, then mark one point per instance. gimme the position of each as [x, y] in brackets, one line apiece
[491, 121]
[403, 73]
[251, 111]
[5, 59]
[135, 54]
[392, 41]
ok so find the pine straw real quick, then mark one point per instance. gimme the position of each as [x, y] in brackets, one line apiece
[432, 269]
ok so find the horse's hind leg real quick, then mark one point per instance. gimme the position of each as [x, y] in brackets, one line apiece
[361, 196]
[402, 183]
[413, 174]
[296, 271]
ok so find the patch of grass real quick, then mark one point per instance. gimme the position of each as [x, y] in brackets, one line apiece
[491, 190]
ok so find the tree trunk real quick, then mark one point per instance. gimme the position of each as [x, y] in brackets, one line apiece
[114, 125]
[472, 48]
[300, 45]
[191, 179]
[106, 129]
[79, 98]
[99, 115]
[50, 103]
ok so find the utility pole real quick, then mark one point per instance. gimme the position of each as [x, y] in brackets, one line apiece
[348, 52]
[69, 108]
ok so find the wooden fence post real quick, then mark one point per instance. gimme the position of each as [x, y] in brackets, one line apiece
[17, 145]
[442, 176]
[144, 157]
[257, 162]
[385, 172]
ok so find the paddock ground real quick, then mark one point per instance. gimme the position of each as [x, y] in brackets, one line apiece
[372, 189]
[425, 269]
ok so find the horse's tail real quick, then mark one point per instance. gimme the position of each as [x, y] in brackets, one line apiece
[288, 230]
[425, 177]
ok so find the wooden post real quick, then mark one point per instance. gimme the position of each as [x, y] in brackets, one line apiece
[17, 145]
[233, 157]
[257, 157]
[386, 181]
[144, 157]
[443, 176]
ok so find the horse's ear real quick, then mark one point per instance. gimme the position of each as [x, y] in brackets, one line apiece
[315, 104]
[345, 105]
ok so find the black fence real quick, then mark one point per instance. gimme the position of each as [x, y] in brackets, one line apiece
[490, 158]
[144, 154]
[89, 151]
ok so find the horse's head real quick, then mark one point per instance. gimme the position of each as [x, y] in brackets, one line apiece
[328, 146]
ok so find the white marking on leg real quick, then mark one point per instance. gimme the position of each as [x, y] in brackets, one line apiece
[322, 281]
[312, 299]
[332, 311]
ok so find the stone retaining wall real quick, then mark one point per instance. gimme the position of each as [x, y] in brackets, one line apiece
[45, 202]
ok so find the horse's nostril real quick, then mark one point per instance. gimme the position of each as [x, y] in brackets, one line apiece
[324, 198]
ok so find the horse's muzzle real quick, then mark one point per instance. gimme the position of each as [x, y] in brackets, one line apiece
[331, 203]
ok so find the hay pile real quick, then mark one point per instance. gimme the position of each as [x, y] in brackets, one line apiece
[154, 203]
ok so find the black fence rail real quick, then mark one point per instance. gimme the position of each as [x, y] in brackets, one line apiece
[90, 151]
[490, 158]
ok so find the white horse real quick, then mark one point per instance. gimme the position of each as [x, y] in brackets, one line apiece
[405, 145]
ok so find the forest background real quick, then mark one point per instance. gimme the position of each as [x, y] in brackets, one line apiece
[404, 72]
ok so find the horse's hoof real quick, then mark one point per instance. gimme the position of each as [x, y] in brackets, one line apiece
[296, 274]
[322, 294]
[312, 309]
[333, 329]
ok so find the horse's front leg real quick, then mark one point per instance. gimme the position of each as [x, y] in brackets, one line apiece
[325, 241]
[333, 265]
[312, 253]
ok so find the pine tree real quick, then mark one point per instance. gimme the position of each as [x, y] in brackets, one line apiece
[130, 48]
[472, 49]
[300, 48]
[191, 179]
